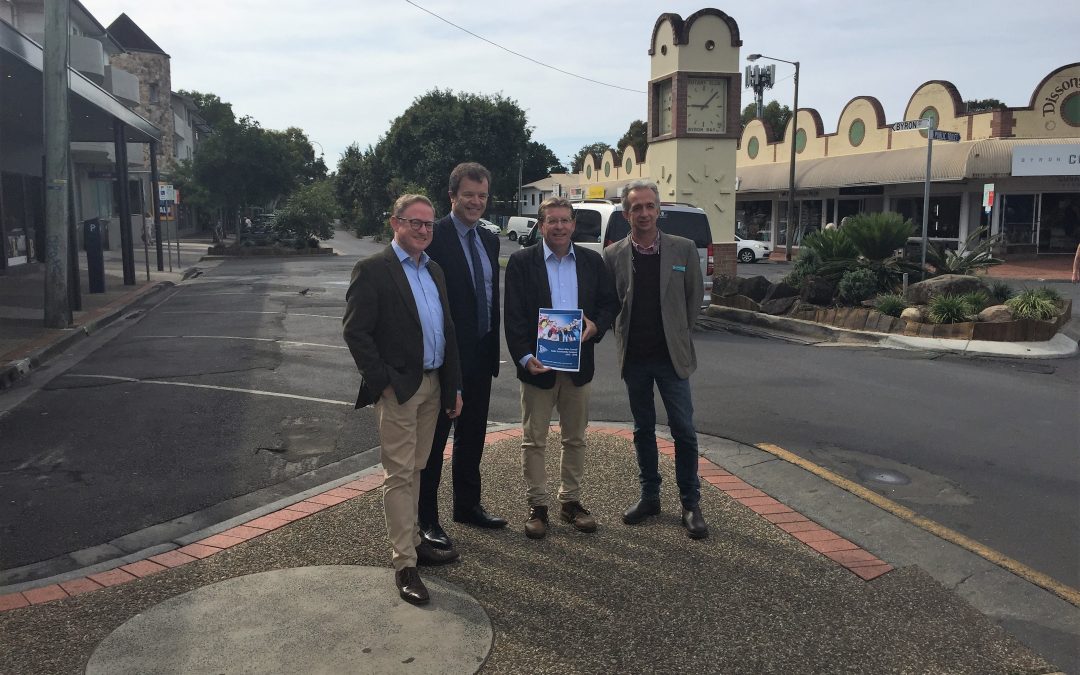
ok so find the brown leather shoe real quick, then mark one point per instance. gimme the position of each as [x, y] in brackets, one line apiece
[536, 525]
[427, 554]
[410, 587]
[575, 514]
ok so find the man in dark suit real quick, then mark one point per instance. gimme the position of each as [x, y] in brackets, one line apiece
[556, 274]
[398, 327]
[470, 257]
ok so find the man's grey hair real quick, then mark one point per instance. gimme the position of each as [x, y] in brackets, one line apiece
[639, 184]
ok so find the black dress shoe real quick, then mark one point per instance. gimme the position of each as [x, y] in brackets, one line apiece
[479, 517]
[426, 554]
[640, 511]
[410, 587]
[436, 536]
[694, 523]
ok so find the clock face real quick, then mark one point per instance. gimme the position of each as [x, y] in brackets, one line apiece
[706, 106]
[663, 108]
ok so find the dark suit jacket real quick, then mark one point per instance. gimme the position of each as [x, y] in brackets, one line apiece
[527, 290]
[383, 331]
[478, 357]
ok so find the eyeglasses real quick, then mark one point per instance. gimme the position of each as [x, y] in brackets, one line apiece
[558, 221]
[416, 223]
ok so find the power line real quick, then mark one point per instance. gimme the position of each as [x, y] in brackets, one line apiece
[527, 58]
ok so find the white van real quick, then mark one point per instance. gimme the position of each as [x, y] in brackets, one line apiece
[601, 223]
[518, 226]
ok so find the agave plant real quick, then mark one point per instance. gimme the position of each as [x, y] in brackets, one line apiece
[975, 254]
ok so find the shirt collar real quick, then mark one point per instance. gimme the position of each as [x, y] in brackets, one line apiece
[548, 252]
[460, 225]
[402, 254]
[652, 249]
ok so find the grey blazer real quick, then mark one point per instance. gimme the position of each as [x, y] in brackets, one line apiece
[681, 290]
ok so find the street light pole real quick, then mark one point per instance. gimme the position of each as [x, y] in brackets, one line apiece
[794, 133]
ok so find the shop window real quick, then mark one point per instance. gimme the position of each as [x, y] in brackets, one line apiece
[944, 221]
[753, 220]
[1059, 224]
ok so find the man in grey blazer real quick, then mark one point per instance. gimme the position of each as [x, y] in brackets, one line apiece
[658, 281]
[399, 330]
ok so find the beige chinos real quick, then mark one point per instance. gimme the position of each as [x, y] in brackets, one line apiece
[406, 431]
[572, 402]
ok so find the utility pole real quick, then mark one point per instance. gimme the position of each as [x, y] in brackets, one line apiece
[57, 156]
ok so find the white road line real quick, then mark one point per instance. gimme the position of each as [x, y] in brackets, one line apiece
[290, 343]
[257, 392]
[250, 311]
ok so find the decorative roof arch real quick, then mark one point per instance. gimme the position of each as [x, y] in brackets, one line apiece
[950, 89]
[879, 110]
[680, 29]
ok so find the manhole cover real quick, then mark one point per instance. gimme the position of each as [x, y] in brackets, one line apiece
[886, 476]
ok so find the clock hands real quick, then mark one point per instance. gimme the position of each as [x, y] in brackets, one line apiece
[706, 103]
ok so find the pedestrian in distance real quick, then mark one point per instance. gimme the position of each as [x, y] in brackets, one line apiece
[659, 286]
[1076, 266]
[557, 275]
[470, 257]
[399, 330]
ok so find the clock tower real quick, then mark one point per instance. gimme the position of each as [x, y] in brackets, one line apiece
[694, 129]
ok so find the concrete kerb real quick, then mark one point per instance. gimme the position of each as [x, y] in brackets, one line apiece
[19, 368]
[809, 332]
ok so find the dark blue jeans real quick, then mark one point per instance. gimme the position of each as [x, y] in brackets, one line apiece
[675, 393]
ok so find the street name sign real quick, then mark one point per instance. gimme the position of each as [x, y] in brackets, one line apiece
[909, 125]
[950, 136]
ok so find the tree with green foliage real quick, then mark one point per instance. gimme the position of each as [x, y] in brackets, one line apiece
[597, 150]
[217, 113]
[637, 136]
[980, 104]
[540, 162]
[309, 212]
[361, 190]
[775, 116]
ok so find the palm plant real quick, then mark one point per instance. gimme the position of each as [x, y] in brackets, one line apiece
[975, 254]
[878, 239]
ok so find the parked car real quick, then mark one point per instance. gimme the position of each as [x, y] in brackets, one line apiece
[489, 226]
[751, 250]
[530, 237]
[518, 226]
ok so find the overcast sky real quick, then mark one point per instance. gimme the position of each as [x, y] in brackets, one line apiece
[342, 70]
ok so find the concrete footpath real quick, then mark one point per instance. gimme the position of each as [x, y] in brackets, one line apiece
[307, 588]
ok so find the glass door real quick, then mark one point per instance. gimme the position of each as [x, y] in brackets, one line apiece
[1059, 222]
[1019, 213]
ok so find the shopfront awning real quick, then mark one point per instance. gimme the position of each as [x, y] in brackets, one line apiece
[989, 158]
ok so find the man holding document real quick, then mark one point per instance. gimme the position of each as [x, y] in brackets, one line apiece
[560, 300]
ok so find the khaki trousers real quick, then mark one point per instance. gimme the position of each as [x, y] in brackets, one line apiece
[572, 402]
[405, 433]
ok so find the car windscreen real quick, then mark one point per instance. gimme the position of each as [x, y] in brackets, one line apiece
[693, 226]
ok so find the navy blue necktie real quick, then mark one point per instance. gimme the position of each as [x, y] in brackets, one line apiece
[478, 284]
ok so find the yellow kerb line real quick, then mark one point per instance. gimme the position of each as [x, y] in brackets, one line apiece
[1067, 593]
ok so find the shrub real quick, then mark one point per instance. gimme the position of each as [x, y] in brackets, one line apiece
[976, 301]
[857, 285]
[308, 213]
[948, 308]
[807, 264]
[892, 304]
[829, 245]
[1001, 291]
[975, 254]
[1029, 304]
[1050, 294]
[879, 239]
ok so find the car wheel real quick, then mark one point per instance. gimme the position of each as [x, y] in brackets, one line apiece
[746, 256]
[512, 236]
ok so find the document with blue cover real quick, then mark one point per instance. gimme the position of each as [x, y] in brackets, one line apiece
[558, 338]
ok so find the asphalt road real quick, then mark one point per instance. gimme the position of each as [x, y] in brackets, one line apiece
[251, 388]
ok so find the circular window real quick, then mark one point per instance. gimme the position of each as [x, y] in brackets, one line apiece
[856, 133]
[710, 45]
[629, 165]
[588, 171]
[607, 169]
[1070, 109]
[930, 113]
[752, 147]
[663, 49]
[800, 140]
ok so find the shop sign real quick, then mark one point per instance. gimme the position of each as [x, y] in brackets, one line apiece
[1046, 160]
[1052, 102]
[596, 192]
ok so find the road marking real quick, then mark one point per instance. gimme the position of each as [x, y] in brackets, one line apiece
[291, 343]
[249, 311]
[257, 392]
[1063, 591]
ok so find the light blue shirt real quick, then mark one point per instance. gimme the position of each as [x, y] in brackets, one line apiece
[562, 280]
[428, 305]
[485, 262]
